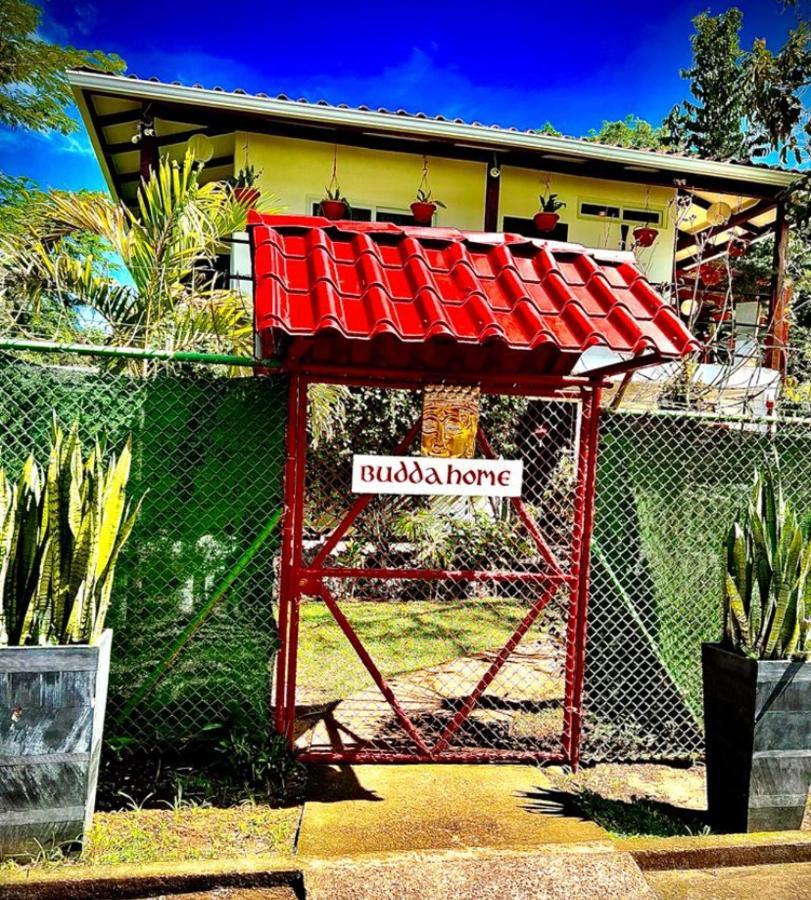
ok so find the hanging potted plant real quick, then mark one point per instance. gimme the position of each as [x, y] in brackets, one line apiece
[737, 248]
[645, 235]
[424, 207]
[757, 681]
[245, 190]
[547, 216]
[425, 204]
[711, 274]
[334, 205]
[61, 531]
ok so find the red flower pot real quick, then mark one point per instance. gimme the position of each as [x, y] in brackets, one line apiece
[333, 209]
[711, 275]
[645, 236]
[737, 248]
[423, 212]
[247, 196]
[545, 221]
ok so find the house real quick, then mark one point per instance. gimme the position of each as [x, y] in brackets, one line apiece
[489, 178]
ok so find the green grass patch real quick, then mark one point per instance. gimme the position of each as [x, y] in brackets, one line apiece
[141, 836]
[401, 637]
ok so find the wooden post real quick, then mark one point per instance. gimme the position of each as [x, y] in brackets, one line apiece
[777, 326]
[148, 146]
[491, 198]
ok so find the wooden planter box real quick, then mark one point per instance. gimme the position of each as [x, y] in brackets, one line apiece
[757, 721]
[52, 702]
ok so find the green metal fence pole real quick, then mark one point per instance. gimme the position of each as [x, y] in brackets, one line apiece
[194, 625]
[191, 356]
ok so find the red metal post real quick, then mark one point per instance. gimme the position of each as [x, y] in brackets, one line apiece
[300, 437]
[288, 540]
[580, 570]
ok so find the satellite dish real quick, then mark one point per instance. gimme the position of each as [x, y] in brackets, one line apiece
[719, 213]
[201, 147]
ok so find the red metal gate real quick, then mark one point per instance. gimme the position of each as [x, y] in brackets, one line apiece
[436, 629]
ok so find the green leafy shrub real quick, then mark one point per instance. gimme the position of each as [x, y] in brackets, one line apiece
[61, 531]
[767, 586]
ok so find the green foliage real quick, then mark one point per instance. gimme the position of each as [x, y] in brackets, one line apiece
[424, 195]
[334, 193]
[172, 298]
[631, 132]
[745, 103]
[34, 91]
[246, 177]
[767, 576]
[549, 129]
[61, 532]
[550, 202]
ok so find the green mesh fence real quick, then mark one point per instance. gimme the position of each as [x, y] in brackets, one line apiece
[668, 486]
[207, 455]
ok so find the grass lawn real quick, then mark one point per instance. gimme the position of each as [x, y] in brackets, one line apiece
[142, 836]
[400, 637]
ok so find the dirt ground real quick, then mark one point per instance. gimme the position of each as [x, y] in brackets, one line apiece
[640, 798]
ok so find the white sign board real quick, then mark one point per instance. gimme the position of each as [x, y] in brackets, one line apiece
[432, 475]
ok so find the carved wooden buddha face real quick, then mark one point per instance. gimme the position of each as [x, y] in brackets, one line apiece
[450, 419]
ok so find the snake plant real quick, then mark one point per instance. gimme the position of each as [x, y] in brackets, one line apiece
[767, 576]
[61, 531]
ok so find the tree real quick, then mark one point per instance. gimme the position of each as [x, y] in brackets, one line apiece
[171, 297]
[630, 132]
[34, 92]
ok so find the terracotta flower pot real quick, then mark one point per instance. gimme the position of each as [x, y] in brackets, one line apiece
[711, 275]
[423, 212]
[645, 236]
[545, 221]
[333, 209]
[247, 196]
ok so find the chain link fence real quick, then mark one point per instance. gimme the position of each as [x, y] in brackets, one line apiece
[194, 632]
[193, 613]
[668, 485]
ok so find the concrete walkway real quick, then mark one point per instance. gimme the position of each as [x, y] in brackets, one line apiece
[430, 832]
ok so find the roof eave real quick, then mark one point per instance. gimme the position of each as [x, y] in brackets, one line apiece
[487, 138]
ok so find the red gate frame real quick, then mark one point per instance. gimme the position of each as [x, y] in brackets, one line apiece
[296, 579]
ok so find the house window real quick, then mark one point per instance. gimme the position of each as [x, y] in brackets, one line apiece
[396, 217]
[375, 214]
[526, 227]
[645, 216]
[599, 210]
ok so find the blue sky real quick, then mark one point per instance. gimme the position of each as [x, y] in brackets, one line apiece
[572, 63]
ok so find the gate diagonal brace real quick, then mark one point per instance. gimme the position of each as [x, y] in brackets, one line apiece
[495, 667]
[379, 680]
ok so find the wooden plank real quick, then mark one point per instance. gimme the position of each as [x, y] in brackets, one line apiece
[39, 730]
[43, 816]
[27, 787]
[43, 759]
[48, 659]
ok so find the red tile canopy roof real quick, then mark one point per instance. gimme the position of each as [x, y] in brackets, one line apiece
[375, 294]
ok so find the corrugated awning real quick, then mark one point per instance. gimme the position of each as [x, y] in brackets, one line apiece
[376, 294]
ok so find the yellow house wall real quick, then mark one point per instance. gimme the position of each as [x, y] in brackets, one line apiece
[519, 197]
[294, 173]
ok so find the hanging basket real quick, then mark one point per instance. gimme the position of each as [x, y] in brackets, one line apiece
[423, 212]
[333, 209]
[711, 275]
[645, 236]
[737, 248]
[545, 221]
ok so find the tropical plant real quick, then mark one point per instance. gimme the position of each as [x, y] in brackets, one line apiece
[61, 532]
[172, 298]
[424, 195]
[246, 177]
[767, 576]
[34, 92]
[550, 203]
[333, 192]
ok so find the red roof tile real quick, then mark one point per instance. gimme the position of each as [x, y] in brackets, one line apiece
[363, 293]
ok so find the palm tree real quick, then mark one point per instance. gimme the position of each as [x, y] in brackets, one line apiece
[171, 296]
